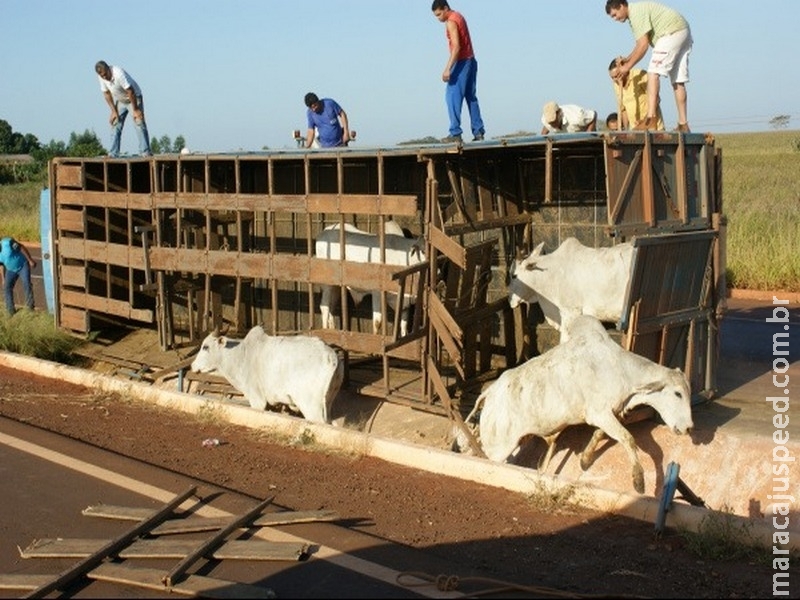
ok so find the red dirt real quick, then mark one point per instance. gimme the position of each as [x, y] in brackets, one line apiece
[498, 534]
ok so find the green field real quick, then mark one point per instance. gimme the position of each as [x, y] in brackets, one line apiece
[761, 201]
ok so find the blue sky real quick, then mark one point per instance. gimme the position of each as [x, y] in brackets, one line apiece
[230, 75]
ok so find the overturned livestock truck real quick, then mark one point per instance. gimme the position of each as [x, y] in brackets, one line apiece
[186, 243]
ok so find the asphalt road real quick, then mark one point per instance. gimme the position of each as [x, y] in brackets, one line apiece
[47, 480]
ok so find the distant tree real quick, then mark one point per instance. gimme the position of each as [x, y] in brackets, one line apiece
[165, 145]
[780, 122]
[84, 144]
[12, 142]
[426, 140]
[46, 153]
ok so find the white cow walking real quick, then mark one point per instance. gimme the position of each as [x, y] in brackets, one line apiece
[364, 247]
[587, 379]
[301, 372]
[573, 280]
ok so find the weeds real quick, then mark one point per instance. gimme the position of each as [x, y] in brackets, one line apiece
[722, 535]
[552, 498]
[33, 333]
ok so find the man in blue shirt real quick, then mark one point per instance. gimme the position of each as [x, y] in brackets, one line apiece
[17, 264]
[327, 121]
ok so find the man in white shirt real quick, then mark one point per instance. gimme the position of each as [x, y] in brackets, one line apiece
[567, 118]
[123, 95]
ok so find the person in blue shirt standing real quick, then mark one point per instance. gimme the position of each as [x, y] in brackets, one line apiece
[327, 122]
[17, 264]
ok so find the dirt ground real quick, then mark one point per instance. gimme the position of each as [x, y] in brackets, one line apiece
[500, 535]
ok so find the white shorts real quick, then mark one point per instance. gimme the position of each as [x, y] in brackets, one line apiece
[670, 57]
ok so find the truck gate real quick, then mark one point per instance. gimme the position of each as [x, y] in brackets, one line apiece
[187, 243]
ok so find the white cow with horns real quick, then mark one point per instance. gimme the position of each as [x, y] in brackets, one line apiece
[364, 247]
[573, 280]
[301, 372]
[587, 379]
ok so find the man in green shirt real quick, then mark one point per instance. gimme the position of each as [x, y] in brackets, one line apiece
[666, 30]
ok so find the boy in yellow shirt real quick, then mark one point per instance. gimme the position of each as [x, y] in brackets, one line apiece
[630, 90]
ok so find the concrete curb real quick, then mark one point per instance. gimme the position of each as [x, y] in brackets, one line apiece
[509, 477]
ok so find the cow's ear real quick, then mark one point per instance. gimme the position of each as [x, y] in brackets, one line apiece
[650, 388]
[221, 341]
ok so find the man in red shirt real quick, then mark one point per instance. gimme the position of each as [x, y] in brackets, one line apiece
[460, 73]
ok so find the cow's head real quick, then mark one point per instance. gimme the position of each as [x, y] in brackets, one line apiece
[520, 288]
[208, 356]
[671, 396]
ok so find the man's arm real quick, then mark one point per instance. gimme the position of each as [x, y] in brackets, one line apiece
[638, 52]
[345, 126]
[452, 33]
[112, 105]
[27, 255]
[310, 137]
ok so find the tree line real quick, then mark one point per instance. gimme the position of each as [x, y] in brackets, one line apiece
[85, 145]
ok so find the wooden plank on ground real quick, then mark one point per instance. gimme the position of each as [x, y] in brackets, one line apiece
[199, 524]
[251, 549]
[21, 581]
[210, 545]
[191, 585]
[111, 548]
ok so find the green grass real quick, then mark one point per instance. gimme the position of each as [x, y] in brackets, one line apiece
[761, 201]
[19, 207]
[33, 333]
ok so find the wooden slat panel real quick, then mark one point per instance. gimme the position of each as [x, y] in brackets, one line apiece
[105, 199]
[108, 306]
[69, 176]
[74, 319]
[72, 276]
[400, 205]
[70, 220]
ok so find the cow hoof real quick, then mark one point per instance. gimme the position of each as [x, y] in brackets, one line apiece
[586, 462]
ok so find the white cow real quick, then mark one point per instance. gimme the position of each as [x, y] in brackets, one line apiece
[364, 247]
[573, 280]
[587, 379]
[301, 372]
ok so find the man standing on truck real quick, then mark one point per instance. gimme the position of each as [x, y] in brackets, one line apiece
[460, 73]
[123, 95]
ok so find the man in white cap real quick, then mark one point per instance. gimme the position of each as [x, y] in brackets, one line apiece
[567, 118]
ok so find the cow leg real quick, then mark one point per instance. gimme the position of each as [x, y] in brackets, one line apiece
[551, 446]
[325, 306]
[587, 456]
[609, 425]
[377, 315]
[404, 323]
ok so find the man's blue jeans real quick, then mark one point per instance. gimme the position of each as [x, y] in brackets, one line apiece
[123, 108]
[24, 274]
[463, 86]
